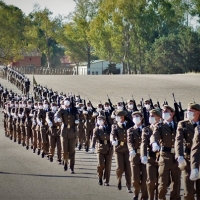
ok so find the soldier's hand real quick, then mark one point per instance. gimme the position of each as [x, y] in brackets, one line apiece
[114, 143]
[155, 147]
[144, 160]
[194, 175]
[132, 153]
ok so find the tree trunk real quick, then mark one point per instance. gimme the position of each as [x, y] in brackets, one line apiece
[88, 56]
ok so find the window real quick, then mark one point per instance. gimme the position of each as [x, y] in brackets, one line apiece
[92, 73]
[96, 73]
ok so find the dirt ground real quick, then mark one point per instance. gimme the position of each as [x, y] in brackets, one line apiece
[96, 88]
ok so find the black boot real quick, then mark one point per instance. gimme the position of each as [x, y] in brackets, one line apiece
[65, 167]
[79, 147]
[42, 155]
[27, 147]
[100, 182]
[119, 186]
[38, 153]
[51, 159]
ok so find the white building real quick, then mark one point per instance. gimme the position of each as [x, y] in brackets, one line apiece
[96, 68]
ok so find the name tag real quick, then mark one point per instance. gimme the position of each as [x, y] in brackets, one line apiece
[121, 143]
[105, 142]
[58, 127]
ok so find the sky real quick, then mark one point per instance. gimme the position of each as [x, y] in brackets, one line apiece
[62, 7]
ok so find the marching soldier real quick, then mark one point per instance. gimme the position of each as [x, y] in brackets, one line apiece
[69, 118]
[138, 169]
[54, 133]
[101, 134]
[119, 141]
[149, 157]
[163, 139]
[184, 137]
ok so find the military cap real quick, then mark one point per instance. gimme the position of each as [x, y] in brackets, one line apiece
[194, 106]
[80, 104]
[101, 117]
[106, 103]
[29, 101]
[119, 103]
[53, 103]
[137, 112]
[99, 105]
[45, 101]
[120, 113]
[156, 112]
[147, 100]
[168, 107]
[130, 101]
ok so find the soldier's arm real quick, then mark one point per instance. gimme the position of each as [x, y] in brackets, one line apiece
[94, 137]
[130, 141]
[195, 150]
[59, 113]
[155, 137]
[113, 135]
[179, 140]
[144, 143]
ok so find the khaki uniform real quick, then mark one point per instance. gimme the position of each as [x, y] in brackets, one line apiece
[14, 122]
[81, 129]
[104, 151]
[139, 175]
[33, 127]
[121, 152]
[10, 123]
[41, 116]
[68, 133]
[152, 165]
[184, 136]
[168, 166]
[22, 125]
[54, 136]
[89, 126]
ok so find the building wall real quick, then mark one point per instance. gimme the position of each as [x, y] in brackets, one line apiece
[28, 60]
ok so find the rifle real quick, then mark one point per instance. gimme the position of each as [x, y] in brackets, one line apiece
[58, 101]
[151, 102]
[134, 105]
[158, 103]
[165, 102]
[176, 109]
[146, 119]
[124, 105]
[111, 105]
[181, 111]
[85, 108]
[93, 109]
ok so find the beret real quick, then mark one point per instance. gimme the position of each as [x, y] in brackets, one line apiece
[156, 112]
[137, 112]
[120, 113]
[101, 117]
[168, 107]
[194, 106]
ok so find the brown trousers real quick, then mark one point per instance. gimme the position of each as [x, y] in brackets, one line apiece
[68, 148]
[88, 136]
[152, 176]
[34, 133]
[45, 139]
[39, 140]
[10, 129]
[123, 165]
[55, 142]
[14, 131]
[23, 133]
[139, 176]
[81, 134]
[188, 185]
[18, 133]
[29, 136]
[104, 166]
[168, 171]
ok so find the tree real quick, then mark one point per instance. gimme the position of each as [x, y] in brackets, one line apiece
[12, 42]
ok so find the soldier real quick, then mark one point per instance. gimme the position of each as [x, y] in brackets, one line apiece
[148, 157]
[138, 169]
[41, 121]
[163, 139]
[195, 164]
[9, 121]
[68, 132]
[119, 141]
[54, 133]
[101, 133]
[14, 119]
[81, 127]
[5, 119]
[183, 143]
[108, 113]
[89, 125]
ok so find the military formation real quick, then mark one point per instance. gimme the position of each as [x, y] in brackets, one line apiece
[154, 146]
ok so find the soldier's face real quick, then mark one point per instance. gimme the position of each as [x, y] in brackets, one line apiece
[196, 113]
[171, 114]
[157, 118]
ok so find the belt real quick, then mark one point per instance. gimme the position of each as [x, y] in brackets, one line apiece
[167, 149]
[121, 143]
[56, 127]
[104, 142]
[151, 154]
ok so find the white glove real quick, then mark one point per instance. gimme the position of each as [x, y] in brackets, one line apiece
[132, 153]
[114, 143]
[194, 175]
[95, 114]
[30, 115]
[55, 119]
[59, 120]
[112, 116]
[155, 147]
[20, 116]
[181, 161]
[33, 123]
[85, 112]
[144, 160]
[76, 121]
[92, 150]
[50, 124]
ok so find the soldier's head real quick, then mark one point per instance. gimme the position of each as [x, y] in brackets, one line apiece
[106, 106]
[155, 106]
[193, 112]
[54, 107]
[40, 105]
[101, 120]
[139, 107]
[130, 104]
[120, 115]
[67, 102]
[167, 113]
[24, 103]
[35, 105]
[11, 103]
[46, 104]
[147, 104]
[29, 104]
[137, 118]
[89, 106]
[119, 106]
[77, 98]
[16, 104]
[155, 116]
[99, 107]
[81, 106]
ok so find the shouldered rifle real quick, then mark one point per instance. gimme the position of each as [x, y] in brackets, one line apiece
[176, 109]
[134, 104]
[151, 102]
[58, 101]
[85, 108]
[111, 105]
[93, 109]
[124, 105]
[158, 103]
[146, 120]
[181, 111]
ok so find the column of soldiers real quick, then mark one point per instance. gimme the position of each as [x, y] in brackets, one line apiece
[152, 145]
